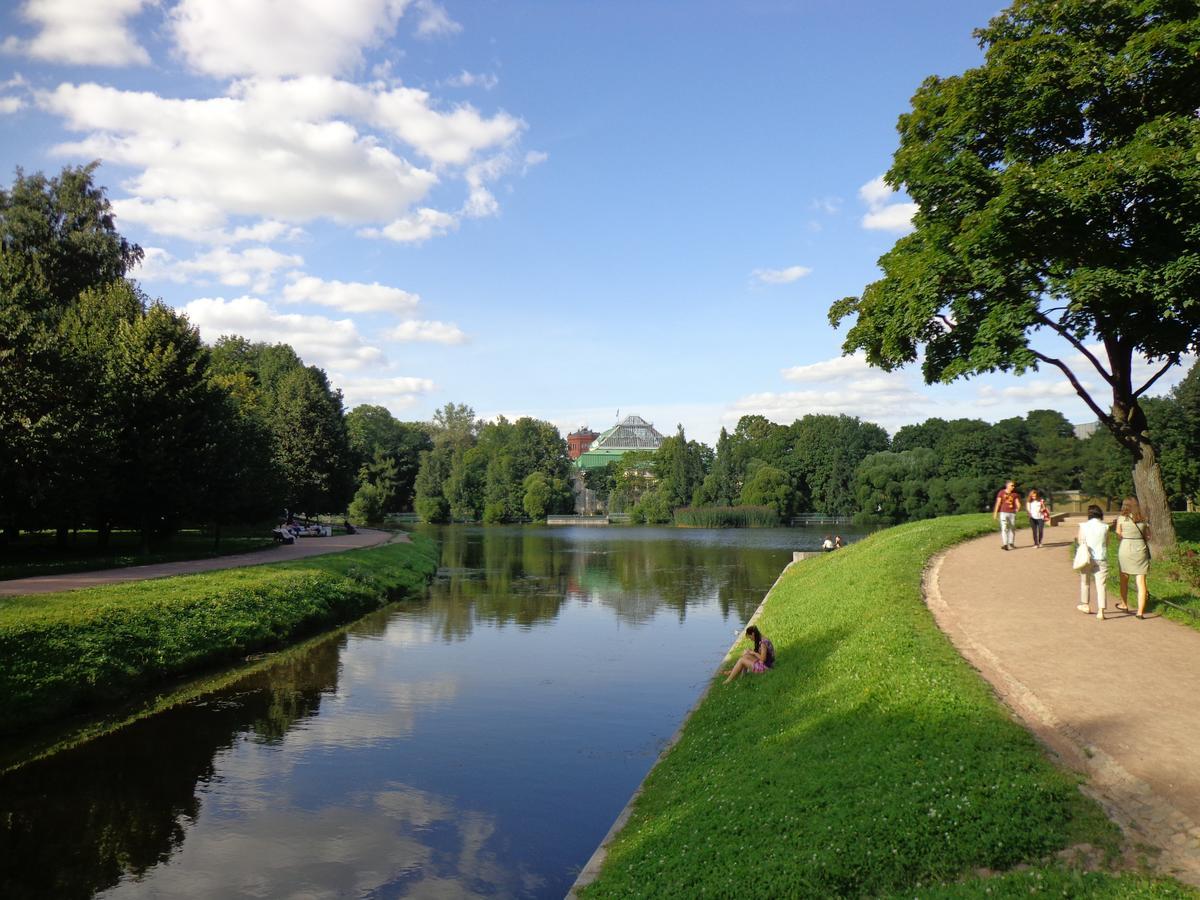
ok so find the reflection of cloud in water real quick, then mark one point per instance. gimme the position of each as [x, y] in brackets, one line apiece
[399, 841]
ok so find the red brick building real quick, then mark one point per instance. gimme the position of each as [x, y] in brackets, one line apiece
[579, 441]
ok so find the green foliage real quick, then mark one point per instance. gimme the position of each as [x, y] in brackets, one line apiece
[727, 517]
[1058, 190]
[769, 487]
[369, 504]
[881, 761]
[537, 499]
[372, 431]
[62, 652]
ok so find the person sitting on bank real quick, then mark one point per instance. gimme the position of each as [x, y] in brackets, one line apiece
[837, 543]
[827, 544]
[756, 661]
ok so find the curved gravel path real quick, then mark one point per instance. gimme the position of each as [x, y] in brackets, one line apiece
[46, 584]
[1118, 700]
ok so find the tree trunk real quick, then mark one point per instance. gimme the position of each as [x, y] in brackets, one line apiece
[61, 532]
[1147, 482]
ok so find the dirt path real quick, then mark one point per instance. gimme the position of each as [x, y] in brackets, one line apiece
[1117, 700]
[45, 584]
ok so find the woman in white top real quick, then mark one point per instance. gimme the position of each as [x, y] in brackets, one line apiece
[1039, 512]
[1094, 535]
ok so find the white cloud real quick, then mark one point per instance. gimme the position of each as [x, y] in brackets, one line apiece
[156, 265]
[413, 229]
[429, 332]
[883, 400]
[534, 158]
[465, 79]
[396, 393]
[434, 20]
[280, 37]
[324, 342]
[9, 105]
[881, 214]
[780, 276]
[1029, 391]
[828, 205]
[830, 369]
[254, 267]
[350, 296]
[92, 33]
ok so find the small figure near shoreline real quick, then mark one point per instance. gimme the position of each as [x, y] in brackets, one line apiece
[755, 661]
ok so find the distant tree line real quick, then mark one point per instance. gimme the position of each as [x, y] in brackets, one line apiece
[114, 414]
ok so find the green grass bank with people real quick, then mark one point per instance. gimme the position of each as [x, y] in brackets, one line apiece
[873, 760]
[72, 651]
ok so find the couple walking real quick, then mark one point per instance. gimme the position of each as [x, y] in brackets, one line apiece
[1133, 557]
[1008, 504]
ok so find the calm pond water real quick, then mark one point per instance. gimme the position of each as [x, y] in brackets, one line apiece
[477, 742]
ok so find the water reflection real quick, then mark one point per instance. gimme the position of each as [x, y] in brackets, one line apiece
[478, 742]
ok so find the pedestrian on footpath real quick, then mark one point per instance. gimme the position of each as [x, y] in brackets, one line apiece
[1008, 503]
[1133, 554]
[1039, 512]
[1093, 534]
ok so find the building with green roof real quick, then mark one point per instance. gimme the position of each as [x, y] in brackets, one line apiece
[631, 433]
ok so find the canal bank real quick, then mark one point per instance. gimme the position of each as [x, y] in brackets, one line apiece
[872, 760]
[85, 649]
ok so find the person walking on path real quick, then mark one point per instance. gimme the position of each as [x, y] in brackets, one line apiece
[1039, 512]
[1008, 504]
[1093, 534]
[1133, 553]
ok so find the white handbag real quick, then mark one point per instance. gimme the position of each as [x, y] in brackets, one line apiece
[1083, 558]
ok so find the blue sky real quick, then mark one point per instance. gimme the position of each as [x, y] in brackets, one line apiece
[561, 209]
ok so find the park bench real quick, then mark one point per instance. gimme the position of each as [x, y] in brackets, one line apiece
[1057, 518]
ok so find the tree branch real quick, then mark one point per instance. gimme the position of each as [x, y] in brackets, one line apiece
[1104, 417]
[1074, 342]
[1157, 375]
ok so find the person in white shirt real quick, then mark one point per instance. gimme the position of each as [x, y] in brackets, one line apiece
[1093, 534]
[1039, 512]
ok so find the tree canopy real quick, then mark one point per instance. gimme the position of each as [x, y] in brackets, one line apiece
[1058, 193]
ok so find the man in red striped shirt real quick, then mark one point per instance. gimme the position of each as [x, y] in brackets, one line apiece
[1008, 503]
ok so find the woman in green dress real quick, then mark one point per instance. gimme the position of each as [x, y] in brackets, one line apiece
[1134, 553]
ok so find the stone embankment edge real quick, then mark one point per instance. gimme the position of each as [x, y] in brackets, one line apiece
[1125, 799]
[592, 867]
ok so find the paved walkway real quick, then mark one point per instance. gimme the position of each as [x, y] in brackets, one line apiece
[1117, 700]
[45, 584]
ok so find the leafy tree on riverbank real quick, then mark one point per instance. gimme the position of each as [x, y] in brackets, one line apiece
[1058, 191]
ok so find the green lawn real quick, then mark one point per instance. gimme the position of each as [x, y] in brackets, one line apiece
[36, 553]
[63, 652]
[873, 761]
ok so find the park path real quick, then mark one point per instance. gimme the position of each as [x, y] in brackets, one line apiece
[1118, 700]
[304, 547]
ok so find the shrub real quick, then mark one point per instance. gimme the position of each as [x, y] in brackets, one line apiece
[727, 517]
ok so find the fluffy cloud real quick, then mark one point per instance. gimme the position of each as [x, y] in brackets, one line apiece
[429, 332]
[882, 214]
[350, 296]
[280, 37]
[464, 79]
[831, 369]
[884, 400]
[10, 105]
[1030, 391]
[280, 150]
[254, 267]
[324, 342]
[779, 276]
[93, 33]
[433, 20]
[395, 393]
[420, 226]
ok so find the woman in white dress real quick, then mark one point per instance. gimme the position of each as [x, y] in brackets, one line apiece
[1093, 534]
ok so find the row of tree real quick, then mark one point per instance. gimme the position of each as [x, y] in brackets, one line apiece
[840, 465]
[114, 414]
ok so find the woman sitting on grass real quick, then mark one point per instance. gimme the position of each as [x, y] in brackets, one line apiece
[758, 660]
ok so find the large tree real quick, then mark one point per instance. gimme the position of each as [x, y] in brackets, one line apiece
[1058, 193]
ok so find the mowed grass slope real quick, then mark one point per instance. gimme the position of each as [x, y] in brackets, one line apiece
[62, 652]
[872, 760]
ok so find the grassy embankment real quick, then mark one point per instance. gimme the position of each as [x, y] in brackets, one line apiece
[60, 653]
[37, 553]
[872, 761]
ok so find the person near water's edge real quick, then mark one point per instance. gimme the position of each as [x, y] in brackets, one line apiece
[1008, 504]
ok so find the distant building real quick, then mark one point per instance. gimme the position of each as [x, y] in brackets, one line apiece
[579, 441]
[632, 433]
[1083, 432]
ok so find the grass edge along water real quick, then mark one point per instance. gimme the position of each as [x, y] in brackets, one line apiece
[61, 653]
[872, 761]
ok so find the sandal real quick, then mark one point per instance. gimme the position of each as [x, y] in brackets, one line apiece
[1122, 607]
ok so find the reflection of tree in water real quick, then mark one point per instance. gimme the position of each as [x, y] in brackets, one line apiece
[73, 824]
[523, 576]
